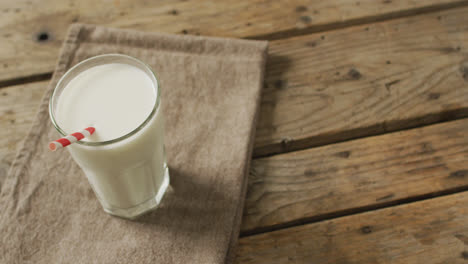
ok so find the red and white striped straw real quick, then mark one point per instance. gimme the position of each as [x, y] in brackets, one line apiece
[70, 139]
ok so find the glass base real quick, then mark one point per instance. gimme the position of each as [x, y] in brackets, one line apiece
[145, 207]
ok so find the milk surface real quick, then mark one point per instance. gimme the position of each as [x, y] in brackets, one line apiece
[129, 176]
[114, 98]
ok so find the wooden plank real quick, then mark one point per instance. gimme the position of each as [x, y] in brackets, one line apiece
[32, 31]
[18, 106]
[364, 80]
[430, 231]
[358, 175]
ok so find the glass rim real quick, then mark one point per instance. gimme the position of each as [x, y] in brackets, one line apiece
[62, 79]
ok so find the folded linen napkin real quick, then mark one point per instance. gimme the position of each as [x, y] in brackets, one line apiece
[210, 96]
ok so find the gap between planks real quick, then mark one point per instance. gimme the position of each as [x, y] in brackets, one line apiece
[293, 33]
[358, 21]
[26, 79]
[359, 133]
[353, 211]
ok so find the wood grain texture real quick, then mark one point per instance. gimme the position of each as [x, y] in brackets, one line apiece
[18, 106]
[364, 80]
[406, 69]
[357, 175]
[31, 32]
[430, 231]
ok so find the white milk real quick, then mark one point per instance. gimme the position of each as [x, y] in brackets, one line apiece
[129, 176]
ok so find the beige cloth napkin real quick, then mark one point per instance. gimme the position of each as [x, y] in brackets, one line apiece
[210, 97]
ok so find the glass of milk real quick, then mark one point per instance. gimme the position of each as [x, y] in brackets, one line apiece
[124, 160]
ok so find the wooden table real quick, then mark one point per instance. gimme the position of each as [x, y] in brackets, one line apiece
[361, 152]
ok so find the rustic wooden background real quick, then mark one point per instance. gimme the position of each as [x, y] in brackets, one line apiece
[361, 152]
